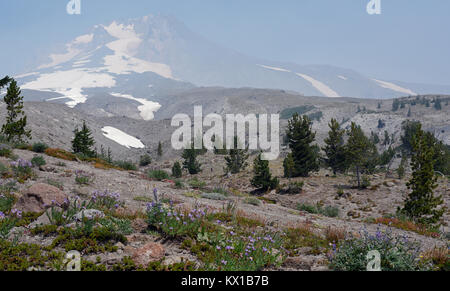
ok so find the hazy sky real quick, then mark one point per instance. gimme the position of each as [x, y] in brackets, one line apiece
[409, 41]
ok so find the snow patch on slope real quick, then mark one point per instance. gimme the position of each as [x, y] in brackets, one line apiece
[71, 83]
[321, 87]
[394, 87]
[343, 78]
[71, 51]
[274, 68]
[147, 109]
[124, 48]
[122, 138]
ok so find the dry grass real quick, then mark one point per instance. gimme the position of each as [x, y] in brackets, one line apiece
[439, 255]
[407, 225]
[60, 154]
[335, 234]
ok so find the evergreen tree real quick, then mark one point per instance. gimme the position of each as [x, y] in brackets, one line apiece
[288, 166]
[374, 138]
[262, 179]
[395, 105]
[409, 112]
[83, 141]
[421, 205]
[402, 168]
[176, 170]
[301, 137]
[387, 139]
[160, 150]
[335, 147]
[386, 157]
[145, 160]
[5, 81]
[437, 104]
[237, 158]
[190, 160]
[441, 154]
[357, 148]
[410, 128]
[16, 120]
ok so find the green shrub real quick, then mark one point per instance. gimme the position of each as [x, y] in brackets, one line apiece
[214, 196]
[145, 160]
[365, 182]
[6, 202]
[329, 211]
[175, 223]
[22, 169]
[39, 147]
[397, 253]
[126, 165]
[4, 170]
[38, 161]
[5, 150]
[179, 184]
[222, 191]
[176, 170]
[196, 183]
[158, 175]
[292, 188]
[83, 178]
[252, 201]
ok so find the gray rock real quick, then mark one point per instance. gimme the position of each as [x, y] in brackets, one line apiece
[89, 214]
[42, 220]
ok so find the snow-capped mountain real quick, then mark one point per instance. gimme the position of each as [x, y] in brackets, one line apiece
[125, 68]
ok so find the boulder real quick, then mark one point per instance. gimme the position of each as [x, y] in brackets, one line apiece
[39, 197]
[150, 252]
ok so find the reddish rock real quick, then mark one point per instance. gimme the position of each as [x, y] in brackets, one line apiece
[39, 197]
[151, 252]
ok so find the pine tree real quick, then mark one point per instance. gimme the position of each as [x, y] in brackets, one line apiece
[83, 141]
[5, 81]
[358, 146]
[160, 150]
[301, 137]
[262, 179]
[176, 170]
[409, 112]
[374, 138]
[237, 158]
[288, 166]
[395, 105]
[387, 139]
[335, 147]
[437, 104]
[421, 205]
[14, 128]
[190, 160]
[401, 169]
